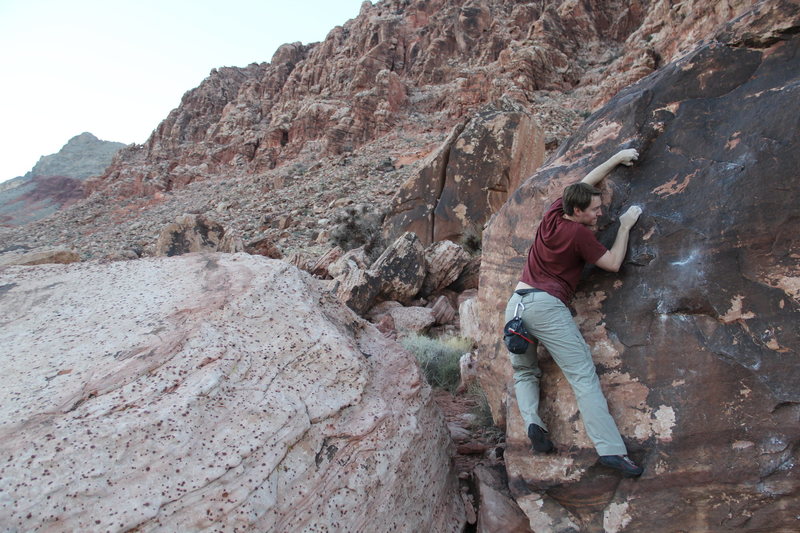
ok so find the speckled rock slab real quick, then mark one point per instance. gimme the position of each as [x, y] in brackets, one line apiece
[209, 392]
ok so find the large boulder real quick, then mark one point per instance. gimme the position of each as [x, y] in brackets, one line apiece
[469, 177]
[696, 339]
[444, 262]
[209, 392]
[196, 233]
[413, 204]
[501, 146]
[401, 269]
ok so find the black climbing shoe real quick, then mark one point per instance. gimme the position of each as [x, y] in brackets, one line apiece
[539, 439]
[623, 464]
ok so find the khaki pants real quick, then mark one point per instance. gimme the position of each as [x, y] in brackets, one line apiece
[547, 318]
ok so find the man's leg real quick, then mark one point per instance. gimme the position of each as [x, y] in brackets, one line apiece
[526, 376]
[551, 322]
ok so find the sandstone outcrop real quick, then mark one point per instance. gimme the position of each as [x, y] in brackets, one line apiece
[198, 233]
[413, 205]
[499, 147]
[210, 391]
[696, 339]
[470, 176]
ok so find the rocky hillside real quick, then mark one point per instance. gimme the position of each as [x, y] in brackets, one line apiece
[352, 117]
[56, 181]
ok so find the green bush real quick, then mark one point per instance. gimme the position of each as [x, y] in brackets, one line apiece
[438, 358]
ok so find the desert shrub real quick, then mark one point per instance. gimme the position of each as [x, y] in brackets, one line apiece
[471, 239]
[438, 358]
[483, 414]
[357, 226]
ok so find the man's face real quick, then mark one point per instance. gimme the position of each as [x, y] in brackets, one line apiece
[588, 216]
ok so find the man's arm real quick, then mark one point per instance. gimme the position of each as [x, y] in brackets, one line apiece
[612, 259]
[623, 157]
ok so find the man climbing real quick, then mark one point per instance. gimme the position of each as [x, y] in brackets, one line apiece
[563, 245]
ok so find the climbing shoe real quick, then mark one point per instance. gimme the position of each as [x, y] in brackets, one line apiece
[539, 440]
[623, 464]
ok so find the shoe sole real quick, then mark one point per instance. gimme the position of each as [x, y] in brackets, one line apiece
[540, 443]
[625, 473]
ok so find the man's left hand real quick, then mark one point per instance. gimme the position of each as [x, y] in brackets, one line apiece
[627, 157]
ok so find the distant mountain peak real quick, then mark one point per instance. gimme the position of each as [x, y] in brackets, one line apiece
[83, 156]
[56, 180]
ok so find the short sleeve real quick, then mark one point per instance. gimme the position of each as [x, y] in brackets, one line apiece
[587, 245]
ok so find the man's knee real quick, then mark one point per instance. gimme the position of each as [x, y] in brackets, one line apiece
[585, 383]
[526, 373]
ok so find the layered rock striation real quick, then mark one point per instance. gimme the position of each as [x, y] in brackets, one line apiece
[210, 391]
[696, 341]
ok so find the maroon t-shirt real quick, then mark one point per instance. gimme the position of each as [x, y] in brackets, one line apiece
[557, 256]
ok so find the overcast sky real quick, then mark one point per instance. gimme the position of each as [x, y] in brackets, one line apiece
[117, 68]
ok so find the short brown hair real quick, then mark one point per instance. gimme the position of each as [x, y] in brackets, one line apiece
[578, 195]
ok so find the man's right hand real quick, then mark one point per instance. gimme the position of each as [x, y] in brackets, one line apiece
[629, 217]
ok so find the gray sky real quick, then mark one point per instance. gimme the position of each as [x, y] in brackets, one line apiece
[117, 68]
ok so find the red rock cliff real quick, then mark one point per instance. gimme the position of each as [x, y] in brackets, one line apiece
[410, 65]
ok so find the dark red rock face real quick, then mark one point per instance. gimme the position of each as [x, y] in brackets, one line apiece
[697, 339]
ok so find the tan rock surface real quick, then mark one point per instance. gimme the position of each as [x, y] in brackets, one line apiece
[412, 319]
[444, 262]
[209, 392]
[39, 257]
